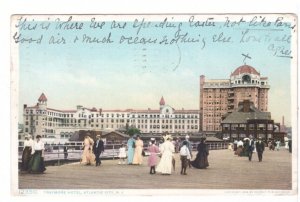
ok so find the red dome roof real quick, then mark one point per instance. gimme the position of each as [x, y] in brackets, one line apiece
[162, 101]
[244, 69]
[42, 98]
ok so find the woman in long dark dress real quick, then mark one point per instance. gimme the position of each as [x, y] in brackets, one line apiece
[27, 151]
[36, 163]
[201, 161]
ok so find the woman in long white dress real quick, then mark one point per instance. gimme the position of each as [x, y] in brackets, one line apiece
[88, 157]
[167, 149]
[138, 158]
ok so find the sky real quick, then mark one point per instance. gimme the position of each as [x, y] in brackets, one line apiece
[122, 76]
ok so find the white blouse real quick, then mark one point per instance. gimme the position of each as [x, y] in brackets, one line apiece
[39, 145]
[28, 143]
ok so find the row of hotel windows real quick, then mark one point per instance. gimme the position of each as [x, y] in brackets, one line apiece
[112, 121]
[214, 109]
[212, 121]
[215, 103]
[251, 127]
[117, 115]
[217, 84]
[252, 81]
[216, 90]
[117, 121]
[211, 128]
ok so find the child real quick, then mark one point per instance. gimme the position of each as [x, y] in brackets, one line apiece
[122, 154]
[185, 156]
[153, 149]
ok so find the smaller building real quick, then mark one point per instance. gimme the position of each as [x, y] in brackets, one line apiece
[248, 121]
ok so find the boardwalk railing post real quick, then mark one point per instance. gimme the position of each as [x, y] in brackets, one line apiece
[58, 156]
[113, 150]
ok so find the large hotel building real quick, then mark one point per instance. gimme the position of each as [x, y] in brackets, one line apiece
[221, 96]
[48, 122]
[218, 97]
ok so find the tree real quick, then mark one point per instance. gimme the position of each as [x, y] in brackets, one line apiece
[132, 130]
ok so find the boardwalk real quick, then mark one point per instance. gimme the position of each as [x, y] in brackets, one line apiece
[226, 171]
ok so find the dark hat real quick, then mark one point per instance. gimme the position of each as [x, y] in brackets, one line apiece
[38, 136]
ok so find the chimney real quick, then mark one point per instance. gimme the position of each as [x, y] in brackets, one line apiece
[246, 106]
[24, 106]
[100, 111]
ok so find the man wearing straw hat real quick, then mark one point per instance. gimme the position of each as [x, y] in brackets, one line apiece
[98, 149]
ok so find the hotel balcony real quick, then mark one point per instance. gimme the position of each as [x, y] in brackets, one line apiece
[250, 85]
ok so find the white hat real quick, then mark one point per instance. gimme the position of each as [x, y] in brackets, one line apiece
[152, 138]
[169, 137]
[27, 135]
[187, 137]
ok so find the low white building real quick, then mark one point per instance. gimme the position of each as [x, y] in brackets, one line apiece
[54, 123]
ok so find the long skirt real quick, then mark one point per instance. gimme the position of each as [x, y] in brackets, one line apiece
[138, 158]
[165, 164]
[152, 159]
[88, 157]
[239, 150]
[201, 161]
[36, 163]
[130, 154]
[26, 156]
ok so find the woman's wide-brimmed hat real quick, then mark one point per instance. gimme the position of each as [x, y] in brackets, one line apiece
[168, 137]
[27, 135]
[38, 136]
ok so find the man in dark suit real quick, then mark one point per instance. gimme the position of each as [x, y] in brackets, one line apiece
[250, 149]
[260, 147]
[97, 149]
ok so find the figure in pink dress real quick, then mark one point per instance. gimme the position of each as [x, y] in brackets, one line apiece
[152, 159]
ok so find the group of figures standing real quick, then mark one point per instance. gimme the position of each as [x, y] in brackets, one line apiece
[248, 147]
[33, 155]
[167, 161]
[135, 150]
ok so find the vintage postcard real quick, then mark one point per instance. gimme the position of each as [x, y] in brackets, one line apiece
[183, 104]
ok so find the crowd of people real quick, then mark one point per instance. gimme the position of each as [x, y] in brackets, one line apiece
[161, 153]
[248, 146]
